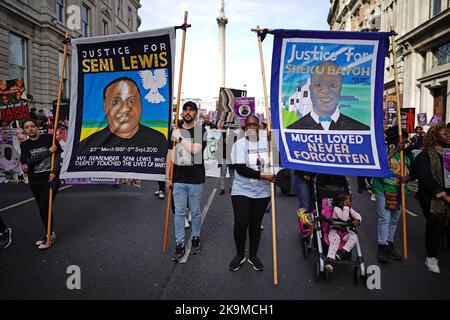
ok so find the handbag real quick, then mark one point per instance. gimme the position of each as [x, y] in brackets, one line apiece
[392, 200]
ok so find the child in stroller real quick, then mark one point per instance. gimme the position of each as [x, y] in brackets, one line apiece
[327, 189]
[341, 236]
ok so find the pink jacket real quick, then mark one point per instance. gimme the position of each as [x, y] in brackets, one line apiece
[345, 213]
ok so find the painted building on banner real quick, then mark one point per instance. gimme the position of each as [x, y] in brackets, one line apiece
[31, 35]
[300, 102]
[422, 43]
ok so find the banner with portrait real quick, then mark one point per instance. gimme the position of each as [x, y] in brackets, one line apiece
[422, 119]
[327, 101]
[13, 100]
[408, 117]
[120, 105]
[243, 108]
[446, 162]
[435, 119]
[10, 166]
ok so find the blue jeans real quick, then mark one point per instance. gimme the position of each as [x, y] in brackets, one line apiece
[303, 191]
[387, 220]
[181, 193]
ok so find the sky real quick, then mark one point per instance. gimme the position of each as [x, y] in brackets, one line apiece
[243, 67]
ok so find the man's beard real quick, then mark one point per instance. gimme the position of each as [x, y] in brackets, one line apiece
[188, 121]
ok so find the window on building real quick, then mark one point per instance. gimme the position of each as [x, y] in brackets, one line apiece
[435, 7]
[439, 101]
[85, 20]
[105, 28]
[305, 94]
[60, 10]
[17, 58]
[119, 8]
[65, 86]
[130, 18]
[441, 55]
[297, 100]
[292, 102]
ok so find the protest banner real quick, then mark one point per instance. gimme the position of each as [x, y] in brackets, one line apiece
[446, 161]
[422, 119]
[10, 167]
[243, 107]
[13, 100]
[326, 101]
[120, 105]
[225, 106]
[210, 153]
[435, 119]
[408, 116]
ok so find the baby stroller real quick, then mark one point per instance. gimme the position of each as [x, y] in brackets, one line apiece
[326, 188]
[306, 230]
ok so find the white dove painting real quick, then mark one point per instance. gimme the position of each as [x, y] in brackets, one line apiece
[154, 80]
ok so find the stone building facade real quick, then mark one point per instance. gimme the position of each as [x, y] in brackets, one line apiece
[422, 47]
[31, 35]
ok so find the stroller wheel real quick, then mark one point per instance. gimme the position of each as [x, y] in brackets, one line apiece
[304, 249]
[358, 278]
[356, 275]
[317, 271]
[326, 275]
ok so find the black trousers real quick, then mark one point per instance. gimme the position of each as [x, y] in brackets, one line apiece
[362, 183]
[434, 229]
[2, 225]
[248, 214]
[162, 186]
[41, 193]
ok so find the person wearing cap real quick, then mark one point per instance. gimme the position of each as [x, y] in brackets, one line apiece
[123, 109]
[188, 176]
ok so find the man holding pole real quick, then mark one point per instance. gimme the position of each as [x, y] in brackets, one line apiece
[188, 176]
[36, 153]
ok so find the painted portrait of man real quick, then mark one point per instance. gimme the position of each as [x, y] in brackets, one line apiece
[325, 88]
[122, 105]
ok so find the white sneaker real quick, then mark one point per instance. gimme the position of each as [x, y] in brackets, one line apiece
[43, 240]
[432, 265]
[45, 245]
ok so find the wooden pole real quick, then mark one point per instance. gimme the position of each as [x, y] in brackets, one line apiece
[272, 186]
[55, 126]
[402, 161]
[180, 78]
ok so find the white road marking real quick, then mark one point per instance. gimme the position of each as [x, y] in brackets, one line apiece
[26, 201]
[411, 213]
[204, 213]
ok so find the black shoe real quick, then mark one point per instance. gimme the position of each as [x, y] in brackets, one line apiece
[179, 252]
[5, 238]
[392, 253]
[256, 263]
[382, 253]
[236, 263]
[195, 245]
[343, 255]
[222, 191]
